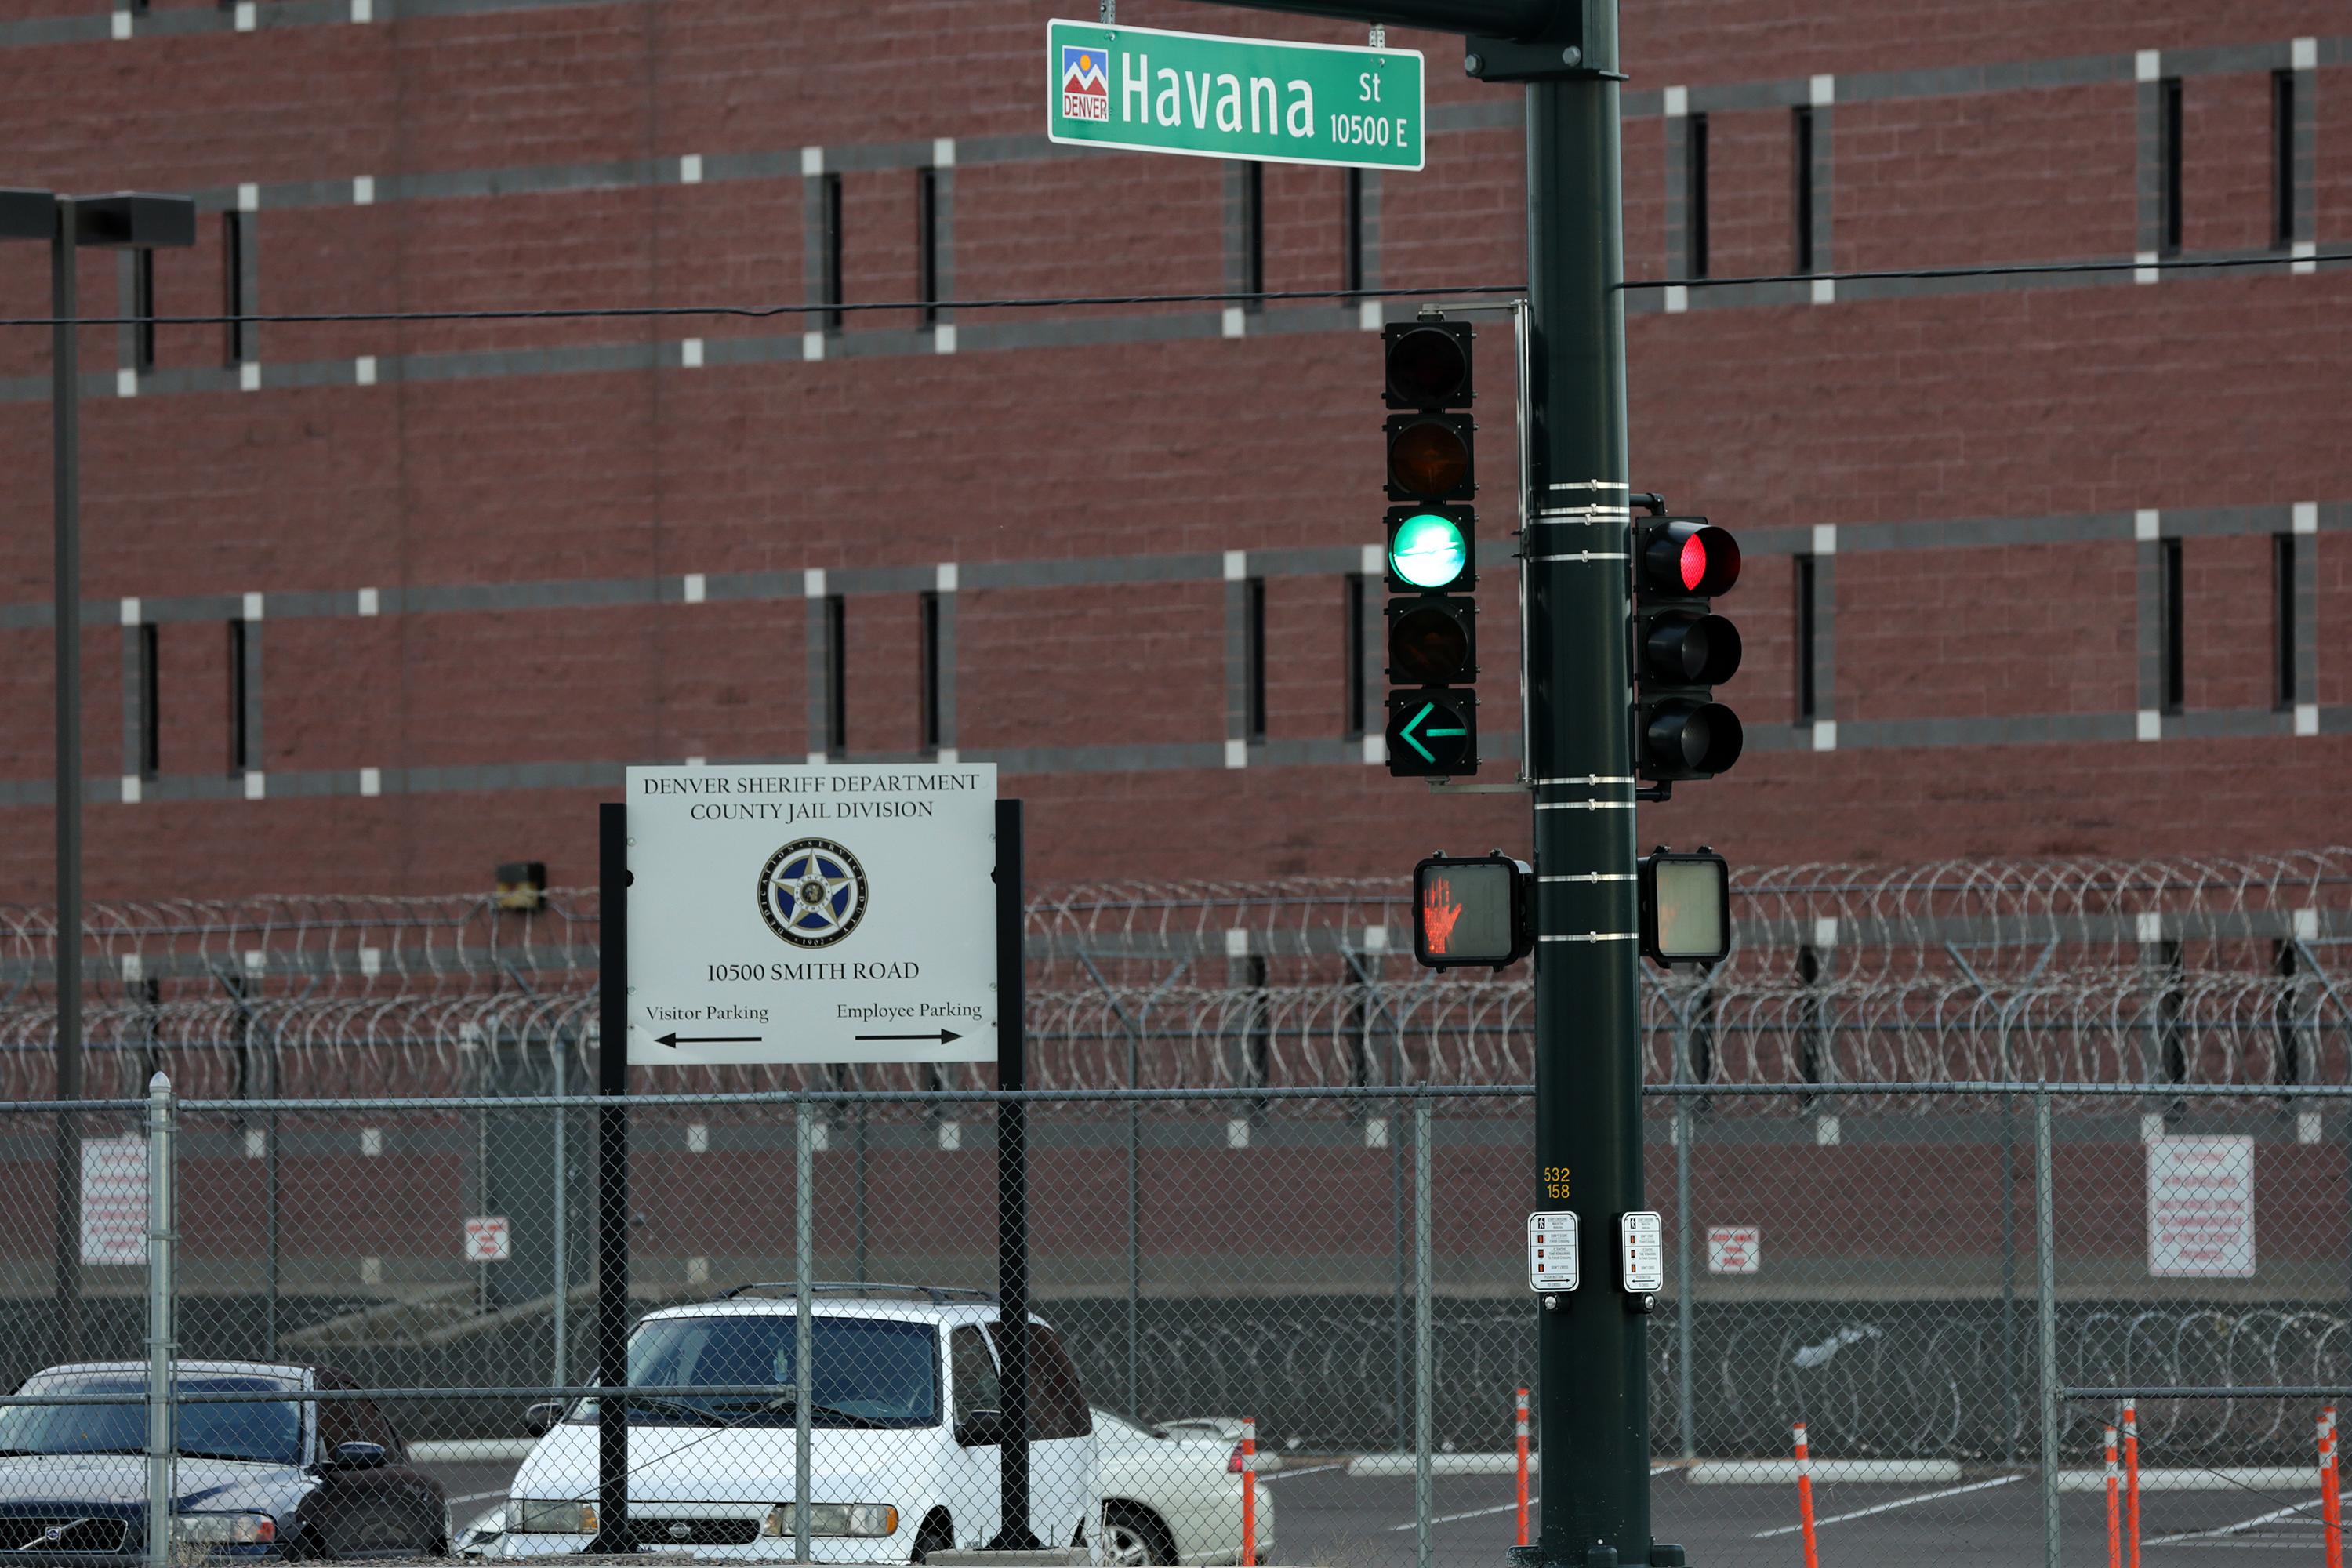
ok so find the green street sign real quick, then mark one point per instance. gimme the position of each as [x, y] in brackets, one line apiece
[1153, 91]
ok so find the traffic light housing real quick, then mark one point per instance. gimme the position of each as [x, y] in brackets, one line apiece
[1472, 911]
[1432, 621]
[1682, 649]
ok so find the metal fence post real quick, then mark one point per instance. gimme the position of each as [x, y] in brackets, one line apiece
[561, 1269]
[161, 1213]
[804, 1325]
[1422, 1380]
[2045, 1261]
[1684, 1125]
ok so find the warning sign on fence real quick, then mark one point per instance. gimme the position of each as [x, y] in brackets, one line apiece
[488, 1239]
[2200, 1208]
[113, 1200]
[1734, 1249]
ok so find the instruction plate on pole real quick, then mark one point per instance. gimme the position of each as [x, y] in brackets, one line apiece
[1641, 1252]
[820, 913]
[1551, 1251]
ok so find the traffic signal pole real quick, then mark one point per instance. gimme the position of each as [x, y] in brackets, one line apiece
[1593, 1400]
[1593, 1387]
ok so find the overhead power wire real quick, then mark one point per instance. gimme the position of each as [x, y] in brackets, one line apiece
[1072, 301]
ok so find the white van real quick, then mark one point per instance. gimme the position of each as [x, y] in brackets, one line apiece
[903, 1454]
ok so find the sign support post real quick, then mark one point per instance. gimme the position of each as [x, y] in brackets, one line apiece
[1011, 1185]
[613, 1532]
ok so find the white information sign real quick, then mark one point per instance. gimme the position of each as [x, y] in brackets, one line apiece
[2200, 1208]
[1734, 1249]
[113, 1200]
[1551, 1251]
[1641, 1252]
[823, 914]
[488, 1239]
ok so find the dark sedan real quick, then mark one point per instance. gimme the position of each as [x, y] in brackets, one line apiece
[296, 1476]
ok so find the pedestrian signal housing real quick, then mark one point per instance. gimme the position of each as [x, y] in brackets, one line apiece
[1469, 912]
[1686, 907]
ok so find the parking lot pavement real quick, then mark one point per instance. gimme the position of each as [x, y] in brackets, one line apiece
[1331, 1520]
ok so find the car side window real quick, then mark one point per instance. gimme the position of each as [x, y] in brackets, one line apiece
[372, 1428]
[975, 1370]
[1058, 1403]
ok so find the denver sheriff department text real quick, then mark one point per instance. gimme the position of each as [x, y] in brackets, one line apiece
[810, 783]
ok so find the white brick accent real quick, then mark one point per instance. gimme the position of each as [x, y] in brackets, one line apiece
[2151, 1127]
[130, 612]
[371, 962]
[1827, 1134]
[367, 601]
[1376, 939]
[2308, 1126]
[948, 756]
[2148, 523]
[1677, 298]
[811, 346]
[1236, 565]
[2147, 65]
[363, 370]
[1825, 539]
[698, 1138]
[363, 10]
[1825, 734]
[126, 383]
[362, 190]
[248, 376]
[2306, 517]
[2149, 925]
[1236, 754]
[1237, 941]
[2302, 53]
[130, 797]
[693, 587]
[2145, 272]
[1373, 563]
[951, 1136]
[1236, 321]
[122, 23]
[943, 338]
[1676, 101]
[1376, 750]
[943, 152]
[2303, 251]
[689, 354]
[372, 1146]
[812, 162]
[248, 197]
[2151, 724]
[1237, 1133]
[371, 782]
[2306, 718]
[1822, 91]
[1825, 931]
[256, 785]
[689, 169]
[253, 607]
[2307, 924]
[1824, 291]
[1369, 315]
[246, 15]
[812, 583]
[945, 578]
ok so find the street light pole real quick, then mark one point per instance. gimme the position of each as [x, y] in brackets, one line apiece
[139, 222]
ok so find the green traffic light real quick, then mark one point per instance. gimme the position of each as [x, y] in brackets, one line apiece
[1428, 551]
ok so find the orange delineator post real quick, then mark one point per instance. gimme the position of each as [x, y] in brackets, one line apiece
[2331, 1487]
[2115, 1525]
[1522, 1454]
[1249, 1491]
[1805, 1496]
[2131, 1479]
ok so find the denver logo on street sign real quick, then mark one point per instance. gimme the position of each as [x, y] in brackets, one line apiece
[1153, 91]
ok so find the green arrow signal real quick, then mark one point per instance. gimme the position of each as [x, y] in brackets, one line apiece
[1407, 736]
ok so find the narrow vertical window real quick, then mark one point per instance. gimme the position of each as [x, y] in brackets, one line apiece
[1807, 700]
[2282, 618]
[240, 747]
[2286, 1041]
[1802, 141]
[2168, 132]
[2175, 671]
[926, 241]
[929, 694]
[2171, 1005]
[834, 297]
[2283, 158]
[151, 707]
[1254, 230]
[1351, 276]
[142, 305]
[1354, 593]
[1254, 632]
[836, 675]
[233, 281]
[1695, 191]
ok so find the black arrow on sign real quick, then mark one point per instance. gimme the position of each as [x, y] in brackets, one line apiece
[943, 1037]
[674, 1041]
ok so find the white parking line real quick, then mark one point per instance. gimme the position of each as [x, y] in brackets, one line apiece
[2220, 1530]
[1890, 1507]
[1533, 1499]
[1309, 1470]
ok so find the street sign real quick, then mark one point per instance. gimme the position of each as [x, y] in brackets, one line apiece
[114, 1200]
[1551, 1251]
[1641, 1252]
[1256, 99]
[812, 914]
[489, 1239]
[1734, 1249]
[2200, 1208]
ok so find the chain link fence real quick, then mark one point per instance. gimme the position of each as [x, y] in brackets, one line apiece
[1951, 1285]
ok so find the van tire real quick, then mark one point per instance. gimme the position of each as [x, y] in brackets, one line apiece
[937, 1534]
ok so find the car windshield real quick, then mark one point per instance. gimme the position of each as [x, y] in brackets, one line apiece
[866, 1371]
[268, 1430]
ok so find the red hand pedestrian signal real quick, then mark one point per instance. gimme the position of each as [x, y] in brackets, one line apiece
[1438, 914]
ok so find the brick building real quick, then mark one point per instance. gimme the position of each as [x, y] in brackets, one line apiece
[2037, 563]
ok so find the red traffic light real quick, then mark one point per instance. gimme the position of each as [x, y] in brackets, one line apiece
[1686, 555]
